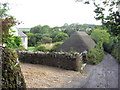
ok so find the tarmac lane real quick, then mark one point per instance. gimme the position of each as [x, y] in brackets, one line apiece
[103, 75]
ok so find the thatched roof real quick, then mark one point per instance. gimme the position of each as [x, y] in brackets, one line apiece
[79, 41]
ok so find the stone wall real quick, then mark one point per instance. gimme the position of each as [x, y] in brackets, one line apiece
[57, 59]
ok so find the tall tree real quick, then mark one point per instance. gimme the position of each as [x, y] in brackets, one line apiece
[111, 20]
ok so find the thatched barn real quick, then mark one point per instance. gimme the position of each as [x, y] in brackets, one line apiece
[79, 41]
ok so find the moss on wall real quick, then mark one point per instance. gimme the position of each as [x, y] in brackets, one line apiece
[11, 72]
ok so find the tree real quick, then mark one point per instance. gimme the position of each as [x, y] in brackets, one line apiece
[35, 29]
[31, 39]
[111, 20]
[11, 72]
[60, 37]
[46, 40]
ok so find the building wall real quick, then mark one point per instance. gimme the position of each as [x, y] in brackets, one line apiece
[24, 39]
[25, 42]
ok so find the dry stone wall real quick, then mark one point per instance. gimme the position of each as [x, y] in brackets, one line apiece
[57, 59]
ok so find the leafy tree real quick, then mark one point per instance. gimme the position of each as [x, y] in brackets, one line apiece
[31, 39]
[60, 37]
[112, 20]
[40, 29]
[8, 21]
[35, 29]
[100, 35]
[11, 72]
[46, 40]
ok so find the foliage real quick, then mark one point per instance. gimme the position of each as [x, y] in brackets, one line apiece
[11, 72]
[31, 48]
[100, 35]
[95, 55]
[17, 40]
[57, 34]
[8, 21]
[56, 45]
[46, 40]
[31, 39]
[40, 48]
[61, 37]
[108, 46]
[40, 29]
[116, 50]
[110, 20]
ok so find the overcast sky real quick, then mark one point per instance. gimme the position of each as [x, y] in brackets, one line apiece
[51, 12]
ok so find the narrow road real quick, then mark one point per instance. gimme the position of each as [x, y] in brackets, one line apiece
[103, 75]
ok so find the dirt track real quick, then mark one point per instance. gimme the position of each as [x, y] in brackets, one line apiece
[39, 76]
[103, 75]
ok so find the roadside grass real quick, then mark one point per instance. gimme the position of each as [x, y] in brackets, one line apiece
[31, 48]
[48, 46]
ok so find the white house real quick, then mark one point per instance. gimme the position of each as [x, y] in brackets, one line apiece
[23, 36]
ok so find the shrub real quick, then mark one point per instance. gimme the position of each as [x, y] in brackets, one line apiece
[17, 40]
[100, 35]
[108, 46]
[56, 45]
[46, 40]
[116, 51]
[60, 37]
[11, 73]
[95, 55]
[41, 48]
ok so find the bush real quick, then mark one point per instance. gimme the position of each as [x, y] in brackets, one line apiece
[60, 37]
[46, 40]
[17, 40]
[95, 55]
[40, 48]
[108, 46]
[11, 72]
[116, 51]
[56, 45]
[100, 35]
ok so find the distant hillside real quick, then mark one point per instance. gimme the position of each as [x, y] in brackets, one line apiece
[24, 29]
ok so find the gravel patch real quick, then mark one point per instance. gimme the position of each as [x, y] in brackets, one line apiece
[40, 76]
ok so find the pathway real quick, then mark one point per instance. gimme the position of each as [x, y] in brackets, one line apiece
[103, 75]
